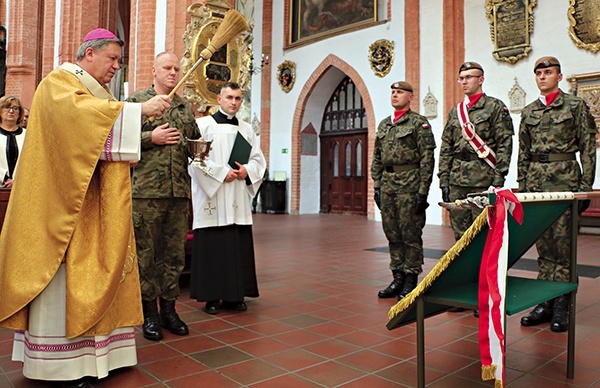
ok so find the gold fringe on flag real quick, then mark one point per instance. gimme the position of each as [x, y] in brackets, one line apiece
[441, 266]
[488, 372]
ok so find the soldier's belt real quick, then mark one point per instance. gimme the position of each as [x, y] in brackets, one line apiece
[548, 158]
[467, 156]
[400, 167]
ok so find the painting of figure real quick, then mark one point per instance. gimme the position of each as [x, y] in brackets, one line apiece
[315, 17]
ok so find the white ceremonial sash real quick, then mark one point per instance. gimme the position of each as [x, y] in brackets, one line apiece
[124, 140]
[468, 132]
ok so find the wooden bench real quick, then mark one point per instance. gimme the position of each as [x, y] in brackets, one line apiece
[457, 284]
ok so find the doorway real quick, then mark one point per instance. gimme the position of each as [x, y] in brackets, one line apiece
[344, 152]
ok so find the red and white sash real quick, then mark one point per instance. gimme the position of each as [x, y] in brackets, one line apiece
[469, 134]
[492, 285]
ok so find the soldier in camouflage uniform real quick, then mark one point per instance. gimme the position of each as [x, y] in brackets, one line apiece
[461, 169]
[161, 193]
[553, 129]
[402, 169]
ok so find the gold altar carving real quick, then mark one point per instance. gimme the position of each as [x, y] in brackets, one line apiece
[381, 57]
[229, 63]
[587, 86]
[584, 24]
[511, 24]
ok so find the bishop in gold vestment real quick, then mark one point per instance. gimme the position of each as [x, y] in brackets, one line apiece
[68, 263]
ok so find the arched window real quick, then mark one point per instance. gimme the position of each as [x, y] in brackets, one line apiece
[345, 110]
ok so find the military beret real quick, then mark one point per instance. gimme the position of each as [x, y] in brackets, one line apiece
[402, 85]
[545, 62]
[470, 66]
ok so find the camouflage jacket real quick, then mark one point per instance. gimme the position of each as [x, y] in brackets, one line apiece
[493, 124]
[566, 126]
[162, 171]
[408, 141]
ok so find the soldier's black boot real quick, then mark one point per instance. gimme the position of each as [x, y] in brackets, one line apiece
[169, 319]
[542, 313]
[560, 314]
[395, 286]
[151, 327]
[409, 284]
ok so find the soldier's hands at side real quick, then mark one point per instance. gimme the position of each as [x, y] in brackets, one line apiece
[377, 197]
[446, 194]
[156, 106]
[420, 203]
[165, 135]
[582, 205]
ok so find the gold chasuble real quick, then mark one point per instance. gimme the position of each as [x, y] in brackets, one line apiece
[67, 205]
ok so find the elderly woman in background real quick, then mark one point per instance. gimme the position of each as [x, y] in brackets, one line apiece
[13, 135]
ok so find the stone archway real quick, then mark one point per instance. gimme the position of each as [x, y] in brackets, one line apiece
[303, 99]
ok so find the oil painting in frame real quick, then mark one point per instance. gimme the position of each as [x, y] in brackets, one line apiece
[313, 20]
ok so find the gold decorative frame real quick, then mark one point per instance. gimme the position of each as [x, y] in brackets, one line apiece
[381, 57]
[511, 24]
[229, 63]
[587, 86]
[584, 27]
[311, 21]
[286, 75]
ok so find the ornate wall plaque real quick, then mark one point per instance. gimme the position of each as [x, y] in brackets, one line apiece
[511, 23]
[587, 86]
[430, 105]
[516, 96]
[584, 22]
[229, 63]
[381, 57]
[256, 125]
[286, 75]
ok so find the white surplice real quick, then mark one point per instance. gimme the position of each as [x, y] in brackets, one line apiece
[215, 202]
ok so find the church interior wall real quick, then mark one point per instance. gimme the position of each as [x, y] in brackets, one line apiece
[549, 37]
[432, 80]
[350, 47]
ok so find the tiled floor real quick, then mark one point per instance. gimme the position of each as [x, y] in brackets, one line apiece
[319, 323]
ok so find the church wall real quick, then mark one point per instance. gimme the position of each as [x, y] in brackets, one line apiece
[432, 79]
[351, 48]
[549, 37]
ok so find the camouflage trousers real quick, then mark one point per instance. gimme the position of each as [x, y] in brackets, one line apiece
[554, 250]
[461, 220]
[161, 227]
[404, 231]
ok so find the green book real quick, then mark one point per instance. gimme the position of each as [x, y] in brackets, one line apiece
[240, 152]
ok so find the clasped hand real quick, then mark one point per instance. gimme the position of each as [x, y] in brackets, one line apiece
[241, 173]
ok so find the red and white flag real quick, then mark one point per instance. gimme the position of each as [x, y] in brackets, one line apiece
[492, 285]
